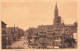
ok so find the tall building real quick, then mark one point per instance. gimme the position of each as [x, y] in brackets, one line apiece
[57, 18]
[4, 35]
[54, 36]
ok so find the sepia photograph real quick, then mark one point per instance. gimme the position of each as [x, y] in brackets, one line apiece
[39, 25]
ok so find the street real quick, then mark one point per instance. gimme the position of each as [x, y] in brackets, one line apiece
[20, 44]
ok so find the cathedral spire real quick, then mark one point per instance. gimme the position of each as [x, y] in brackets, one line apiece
[57, 18]
[56, 10]
[56, 6]
[55, 14]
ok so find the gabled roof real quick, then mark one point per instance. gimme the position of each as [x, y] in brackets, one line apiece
[3, 23]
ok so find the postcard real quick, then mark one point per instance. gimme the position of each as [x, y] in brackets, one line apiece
[39, 25]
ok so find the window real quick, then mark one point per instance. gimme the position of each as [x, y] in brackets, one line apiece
[58, 30]
[3, 32]
[59, 27]
[44, 32]
[36, 37]
[64, 37]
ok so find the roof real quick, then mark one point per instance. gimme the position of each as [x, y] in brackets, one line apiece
[45, 26]
[69, 25]
[3, 23]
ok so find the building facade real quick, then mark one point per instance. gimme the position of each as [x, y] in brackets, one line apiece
[53, 36]
[4, 35]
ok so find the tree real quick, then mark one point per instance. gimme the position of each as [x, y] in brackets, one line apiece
[70, 42]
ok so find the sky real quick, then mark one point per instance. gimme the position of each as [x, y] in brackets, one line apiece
[32, 14]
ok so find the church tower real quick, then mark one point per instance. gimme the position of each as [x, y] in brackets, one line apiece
[57, 19]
